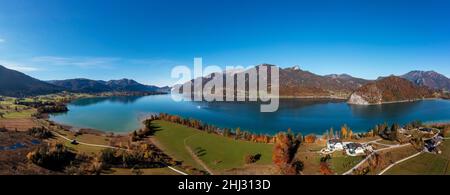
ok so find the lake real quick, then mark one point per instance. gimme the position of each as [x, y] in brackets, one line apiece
[122, 114]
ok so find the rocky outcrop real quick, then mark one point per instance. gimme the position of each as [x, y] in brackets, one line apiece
[357, 99]
[388, 90]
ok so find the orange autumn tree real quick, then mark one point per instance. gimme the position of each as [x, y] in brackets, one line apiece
[311, 138]
[280, 155]
[350, 134]
[325, 169]
[283, 156]
[344, 131]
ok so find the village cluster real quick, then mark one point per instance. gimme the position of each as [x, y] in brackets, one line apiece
[429, 139]
[350, 148]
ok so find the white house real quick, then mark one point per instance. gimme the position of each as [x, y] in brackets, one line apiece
[354, 149]
[335, 144]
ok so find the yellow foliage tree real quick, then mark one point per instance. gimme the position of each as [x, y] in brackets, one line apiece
[344, 131]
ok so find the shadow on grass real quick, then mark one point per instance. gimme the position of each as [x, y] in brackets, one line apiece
[200, 151]
[153, 129]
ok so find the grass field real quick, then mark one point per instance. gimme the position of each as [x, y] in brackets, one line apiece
[86, 138]
[217, 152]
[15, 116]
[220, 153]
[308, 154]
[12, 111]
[341, 163]
[388, 142]
[171, 137]
[90, 150]
[425, 164]
[152, 171]
[20, 114]
[390, 156]
[78, 148]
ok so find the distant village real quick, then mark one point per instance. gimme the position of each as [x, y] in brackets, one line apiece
[427, 138]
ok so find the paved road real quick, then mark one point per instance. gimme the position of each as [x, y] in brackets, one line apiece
[112, 147]
[389, 147]
[407, 158]
[370, 155]
[400, 161]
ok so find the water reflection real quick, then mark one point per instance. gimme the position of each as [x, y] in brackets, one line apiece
[116, 99]
[284, 104]
[385, 110]
[121, 114]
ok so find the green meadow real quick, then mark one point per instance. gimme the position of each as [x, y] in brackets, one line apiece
[217, 152]
[425, 164]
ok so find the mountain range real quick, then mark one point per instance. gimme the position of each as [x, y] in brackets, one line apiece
[98, 86]
[430, 79]
[294, 82]
[297, 82]
[17, 84]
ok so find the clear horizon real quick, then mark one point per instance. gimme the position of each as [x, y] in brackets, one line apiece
[143, 40]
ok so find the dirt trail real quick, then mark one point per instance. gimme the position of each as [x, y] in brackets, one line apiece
[195, 157]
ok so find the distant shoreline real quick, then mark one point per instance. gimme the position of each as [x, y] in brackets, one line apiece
[99, 131]
[395, 102]
[146, 115]
[276, 97]
[73, 128]
[312, 97]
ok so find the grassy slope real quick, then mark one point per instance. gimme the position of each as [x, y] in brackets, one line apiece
[20, 114]
[171, 136]
[221, 153]
[430, 164]
[9, 109]
[341, 163]
[216, 148]
[152, 171]
[87, 138]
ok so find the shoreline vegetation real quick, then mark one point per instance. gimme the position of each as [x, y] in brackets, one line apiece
[385, 130]
[142, 146]
[346, 99]
[230, 131]
[395, 102]
[48, 106]
[275, 97]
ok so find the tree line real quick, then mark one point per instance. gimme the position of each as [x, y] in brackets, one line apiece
[44, 107]
[237, 133]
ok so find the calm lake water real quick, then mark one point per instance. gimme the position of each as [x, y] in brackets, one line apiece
[122, 114]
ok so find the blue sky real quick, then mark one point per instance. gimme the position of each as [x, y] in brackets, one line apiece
[143, 40]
